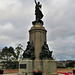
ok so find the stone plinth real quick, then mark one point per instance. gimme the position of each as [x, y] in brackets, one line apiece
[48, 67]
[25, 66]
[37, 36]
[37, 64]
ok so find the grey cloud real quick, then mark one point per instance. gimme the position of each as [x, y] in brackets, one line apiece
[63, 47]
[59, 16]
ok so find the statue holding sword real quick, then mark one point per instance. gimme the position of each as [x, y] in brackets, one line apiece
[38, 12]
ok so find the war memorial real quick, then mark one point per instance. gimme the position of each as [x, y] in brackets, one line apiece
[37, 58]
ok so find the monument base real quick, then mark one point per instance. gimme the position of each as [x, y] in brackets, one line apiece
[47, 67]
[25, 66]
[40, 21]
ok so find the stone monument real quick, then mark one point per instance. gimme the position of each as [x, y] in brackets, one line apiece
[37, 53]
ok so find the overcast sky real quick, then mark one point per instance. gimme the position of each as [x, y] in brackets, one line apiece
[16, 18]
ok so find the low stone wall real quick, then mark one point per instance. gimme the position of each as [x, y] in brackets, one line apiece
[10, 70]
[64, 70]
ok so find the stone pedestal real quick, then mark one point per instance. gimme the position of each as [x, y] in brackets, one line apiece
[48, 67]
[37, 36]
[37, 64]
[25, 66]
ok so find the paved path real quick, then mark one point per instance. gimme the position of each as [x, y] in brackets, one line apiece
[9, 74]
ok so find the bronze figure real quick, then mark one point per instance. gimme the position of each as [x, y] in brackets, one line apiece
[38, 12]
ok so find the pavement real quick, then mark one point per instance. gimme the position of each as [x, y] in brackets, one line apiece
[9, 74]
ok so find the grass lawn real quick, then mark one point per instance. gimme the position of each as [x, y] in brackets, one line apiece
[0, 67]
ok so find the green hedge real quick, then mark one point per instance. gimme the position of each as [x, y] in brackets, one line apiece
[61, 66]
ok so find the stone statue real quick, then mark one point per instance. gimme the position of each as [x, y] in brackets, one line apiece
[29, 52]
[45, 53]
[38, 12]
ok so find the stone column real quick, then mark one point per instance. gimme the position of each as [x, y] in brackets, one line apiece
[37, 36]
